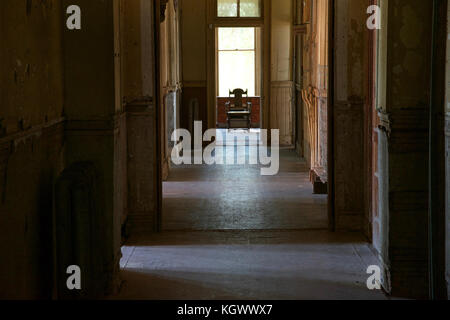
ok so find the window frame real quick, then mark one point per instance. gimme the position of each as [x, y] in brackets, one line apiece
[238, 18]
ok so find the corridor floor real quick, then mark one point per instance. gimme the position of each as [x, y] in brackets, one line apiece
[231, 197]
[257, 265]
[230, 233]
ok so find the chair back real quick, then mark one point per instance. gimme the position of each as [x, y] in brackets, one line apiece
[238, 94]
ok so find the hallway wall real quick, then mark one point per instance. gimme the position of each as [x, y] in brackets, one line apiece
[70, 96]
[31, 143]
[379, 213]
[404, 73]
[95, 120]
[350, 58]
[170, 79]
[282, 85]
[447, 143]
[408, 103]
[138, 96]
[88, 95]
[400, 216]
[194, 63]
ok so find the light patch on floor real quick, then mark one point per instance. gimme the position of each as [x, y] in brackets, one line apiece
[286, 265]
[237, 197]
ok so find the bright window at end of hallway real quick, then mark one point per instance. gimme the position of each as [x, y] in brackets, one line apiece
[236, 60]
[239, 8]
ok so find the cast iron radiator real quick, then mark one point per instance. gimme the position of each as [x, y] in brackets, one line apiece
[78, 232]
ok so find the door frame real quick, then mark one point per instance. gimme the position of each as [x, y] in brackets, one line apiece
[297, 30]
[259, 61]
[265, 25]
[213, 22]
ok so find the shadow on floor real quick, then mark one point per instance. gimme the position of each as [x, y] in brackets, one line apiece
[287, 265]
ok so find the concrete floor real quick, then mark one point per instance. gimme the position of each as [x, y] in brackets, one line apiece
[272, 265]
[230, 233]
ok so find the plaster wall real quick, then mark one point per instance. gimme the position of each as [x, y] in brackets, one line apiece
[137, 48]
[30, 56]
[138, 85]
[282, 85]
[350, 55]
[31, 143]
[96, 128]
[193, 33]
[281, 56]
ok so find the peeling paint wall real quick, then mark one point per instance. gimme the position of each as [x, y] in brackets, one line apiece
[31, 56]
[61, 103]
[31, 143]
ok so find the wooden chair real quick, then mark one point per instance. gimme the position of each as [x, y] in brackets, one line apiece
[237, 110]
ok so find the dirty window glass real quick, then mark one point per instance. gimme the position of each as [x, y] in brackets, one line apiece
[250, 8]
[227, 8]
[239, 8]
